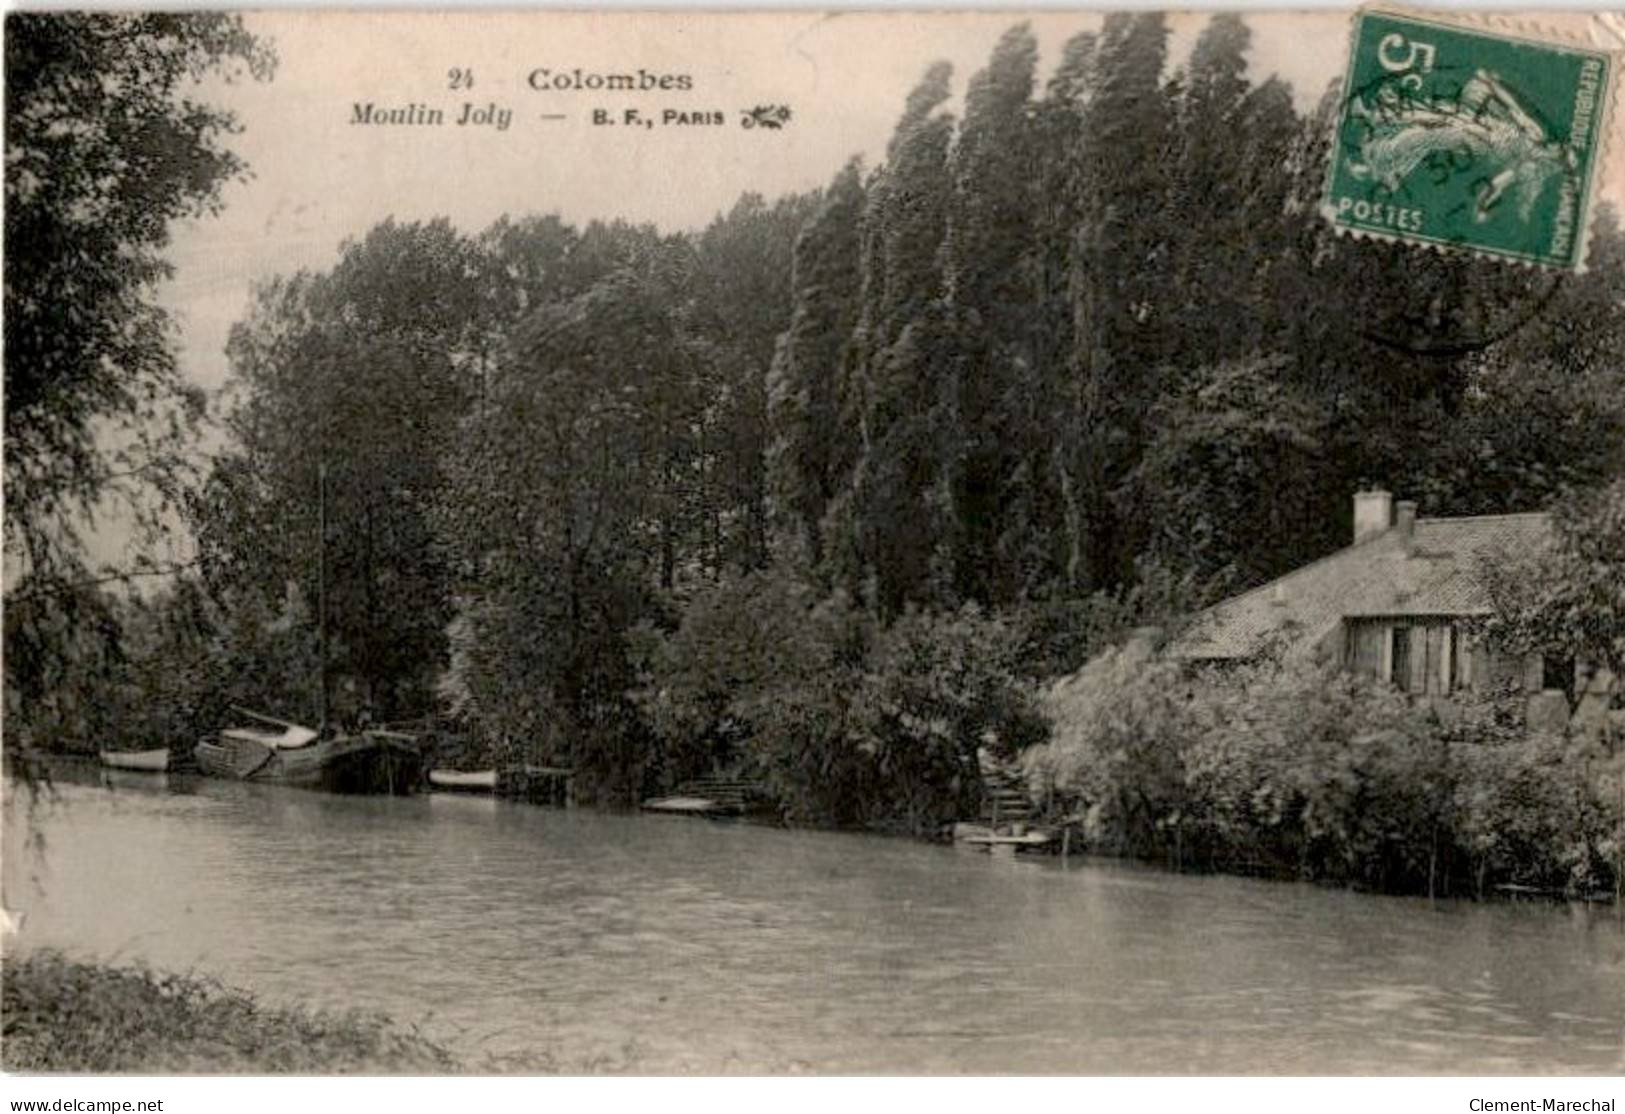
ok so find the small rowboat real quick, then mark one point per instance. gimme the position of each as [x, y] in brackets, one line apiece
[465, 781]
[154, 761]
[690, 806]
[715, 796]
[1026, 839]
[1016, 835]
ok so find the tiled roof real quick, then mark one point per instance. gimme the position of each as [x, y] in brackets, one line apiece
[1437, 574]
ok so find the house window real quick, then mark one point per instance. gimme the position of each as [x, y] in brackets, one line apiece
[1422, 658]
[1399, 671]
[1442, 659]
[1557, 672]
[1415, 655]
[1365, 649]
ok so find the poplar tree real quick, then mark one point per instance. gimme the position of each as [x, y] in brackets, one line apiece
[1211, 261]
[742, 298]
[900, 517]
[992, 277]
[811, 361]
[1060, 125]
[1118, 278]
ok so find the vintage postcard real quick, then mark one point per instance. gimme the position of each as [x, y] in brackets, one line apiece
[848, 543]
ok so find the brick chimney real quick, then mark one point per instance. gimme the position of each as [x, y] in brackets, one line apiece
[1405, 522]
[1373, 514]
[1405, 516]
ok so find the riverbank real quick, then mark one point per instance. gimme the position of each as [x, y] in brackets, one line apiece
[67, 1016]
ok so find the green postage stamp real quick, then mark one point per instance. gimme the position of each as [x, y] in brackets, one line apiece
[1467, 137]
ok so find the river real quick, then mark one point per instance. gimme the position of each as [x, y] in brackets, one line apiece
[653, 944]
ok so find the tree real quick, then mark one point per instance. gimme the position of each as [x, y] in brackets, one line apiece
[940, 688]
[1059, 125]
[812, 451]
[994, 302]
[569, 509]
[1543, 411]
[105, 147]
[1119, 260]
[1569, 600]
[846, 723]
[741, 300]
[350, 386]
[1230, 145]
[1237, 455]
[898, 525]
[756, 680]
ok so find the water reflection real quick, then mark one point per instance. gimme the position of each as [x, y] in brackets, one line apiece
[662, 944]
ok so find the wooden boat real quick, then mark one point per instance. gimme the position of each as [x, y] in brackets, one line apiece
[1026, 839]
[1015, 835]
[690, 806]
[154, 761]
[365, 762]
[464, 781]
[712, 796]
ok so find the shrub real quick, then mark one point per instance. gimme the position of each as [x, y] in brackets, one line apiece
[1318, 773]
[940, 687]
[64, 1016]
[1120, 728]
[847, 723]
[756, 681]
[1542, 812]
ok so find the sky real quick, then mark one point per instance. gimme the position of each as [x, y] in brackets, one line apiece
[318, 178]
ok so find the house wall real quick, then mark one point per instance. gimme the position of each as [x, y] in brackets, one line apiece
[1596, 689]
[1432, 656]
[1412, 653]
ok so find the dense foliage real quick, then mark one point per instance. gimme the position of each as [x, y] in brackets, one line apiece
[1319, 774]
[844, 720]
[350, 388]
[1571, 600]
[105, 147]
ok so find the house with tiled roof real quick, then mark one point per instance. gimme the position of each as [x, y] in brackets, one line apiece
[1397, 604]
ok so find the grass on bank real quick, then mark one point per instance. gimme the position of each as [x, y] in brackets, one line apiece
[60, 1015]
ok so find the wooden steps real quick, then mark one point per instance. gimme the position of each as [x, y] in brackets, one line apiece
[1005, 825]
[1004, 796]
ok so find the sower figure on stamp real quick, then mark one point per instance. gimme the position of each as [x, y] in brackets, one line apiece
[1486, 127]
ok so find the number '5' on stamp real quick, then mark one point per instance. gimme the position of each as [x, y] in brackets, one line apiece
[1465, 137]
